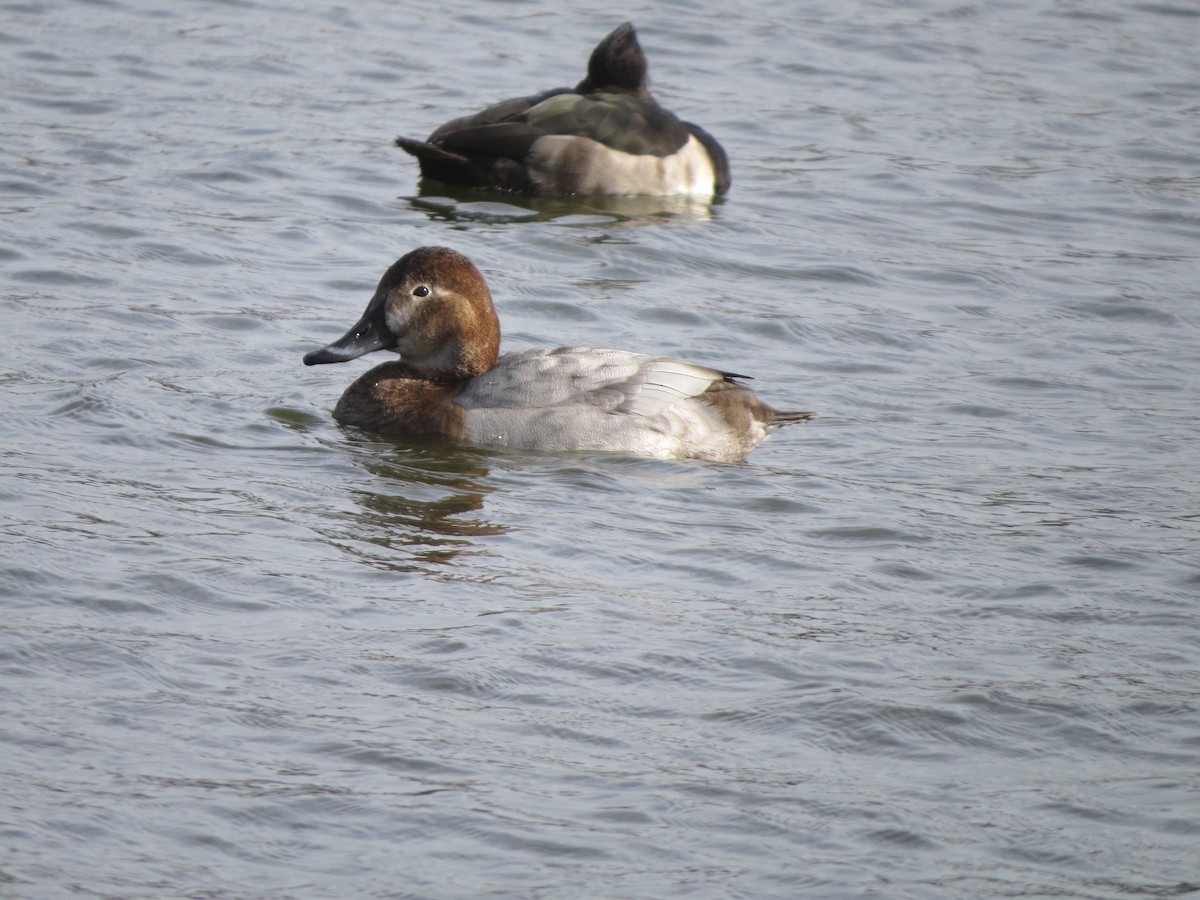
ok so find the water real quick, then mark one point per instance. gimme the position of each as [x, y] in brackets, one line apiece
[941, 642]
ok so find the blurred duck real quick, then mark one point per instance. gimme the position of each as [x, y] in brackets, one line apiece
[433, 308]
[607, 136]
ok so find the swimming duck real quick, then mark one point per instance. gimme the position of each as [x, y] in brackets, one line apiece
[607, 136]
[434, 308]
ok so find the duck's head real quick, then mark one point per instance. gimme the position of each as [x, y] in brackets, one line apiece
[617, 65]
[434, 308]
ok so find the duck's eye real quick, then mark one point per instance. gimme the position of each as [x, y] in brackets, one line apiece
[421, 290]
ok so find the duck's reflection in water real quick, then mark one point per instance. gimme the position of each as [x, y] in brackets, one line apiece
[446, 203]
[423, 504]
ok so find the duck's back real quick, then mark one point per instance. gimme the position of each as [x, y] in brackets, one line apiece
[586, 399]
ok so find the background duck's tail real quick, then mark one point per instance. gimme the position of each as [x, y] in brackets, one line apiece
[791, 418]
[425, 151]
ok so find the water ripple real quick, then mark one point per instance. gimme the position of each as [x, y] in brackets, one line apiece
[940, 638]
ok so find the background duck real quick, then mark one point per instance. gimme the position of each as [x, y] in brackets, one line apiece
[433, 307]
[607, 136]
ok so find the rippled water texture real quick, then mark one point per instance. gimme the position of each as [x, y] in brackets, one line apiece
[941, 642]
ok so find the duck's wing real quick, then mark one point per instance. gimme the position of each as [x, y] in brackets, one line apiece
[544, 378]
[620, 121]
[610, 380]
[510, 129]
[483, 148]
[661, 383]
[457, 134]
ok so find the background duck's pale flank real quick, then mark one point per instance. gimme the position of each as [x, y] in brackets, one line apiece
[942, 642]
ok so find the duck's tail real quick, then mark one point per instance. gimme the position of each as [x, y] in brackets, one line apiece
[427, 152]
[790, 418]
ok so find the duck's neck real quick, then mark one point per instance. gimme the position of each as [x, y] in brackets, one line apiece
[454, 363]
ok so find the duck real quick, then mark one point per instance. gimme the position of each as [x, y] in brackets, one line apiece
[607, 136]
[433, 307]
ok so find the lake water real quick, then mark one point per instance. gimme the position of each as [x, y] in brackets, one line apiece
[941, 642]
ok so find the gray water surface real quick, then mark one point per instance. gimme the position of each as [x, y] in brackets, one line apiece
[941, 642]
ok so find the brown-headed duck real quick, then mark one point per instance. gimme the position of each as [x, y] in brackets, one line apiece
[434, 308]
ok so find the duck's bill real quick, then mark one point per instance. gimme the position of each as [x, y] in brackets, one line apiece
[365, 337]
